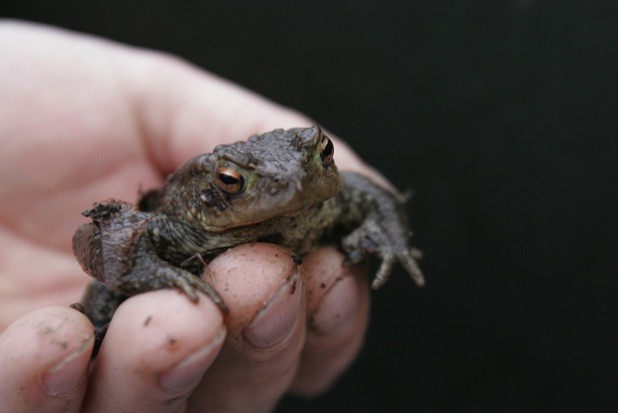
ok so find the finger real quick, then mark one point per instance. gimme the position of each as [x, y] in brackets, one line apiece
[44, 359]
[197, 110]
[338, 313]
[154, 354]
[184, 111]
[263, 288]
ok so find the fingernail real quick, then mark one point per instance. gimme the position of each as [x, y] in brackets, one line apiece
[338, 306]
[189, 372]
[278, 317]
[66, 377]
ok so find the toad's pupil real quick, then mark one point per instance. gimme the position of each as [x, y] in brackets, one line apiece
[228, 179]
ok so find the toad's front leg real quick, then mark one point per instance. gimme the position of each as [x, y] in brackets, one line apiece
[380, 228]
[150, 272]
[116, 249]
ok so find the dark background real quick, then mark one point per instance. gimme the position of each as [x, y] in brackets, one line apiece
[502, 116]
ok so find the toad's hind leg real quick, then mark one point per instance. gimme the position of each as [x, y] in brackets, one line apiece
[99, 304]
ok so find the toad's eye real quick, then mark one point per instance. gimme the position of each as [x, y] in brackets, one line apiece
[229, 180]
[326, 150]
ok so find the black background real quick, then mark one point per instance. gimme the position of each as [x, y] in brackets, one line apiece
[502, 116]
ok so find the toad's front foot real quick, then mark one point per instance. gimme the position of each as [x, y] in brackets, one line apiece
[152, 273]
[371, 238]
[382, 230]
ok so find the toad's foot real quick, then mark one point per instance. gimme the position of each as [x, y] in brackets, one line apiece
[381, 230]
[149, 276]
[371, 238]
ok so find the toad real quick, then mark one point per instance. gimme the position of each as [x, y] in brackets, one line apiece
[281, 186]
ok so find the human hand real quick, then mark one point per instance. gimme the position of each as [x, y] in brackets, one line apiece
[82, 119]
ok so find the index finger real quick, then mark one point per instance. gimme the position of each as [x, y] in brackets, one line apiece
[185, 111]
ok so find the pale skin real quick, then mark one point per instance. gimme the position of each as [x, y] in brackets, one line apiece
[83, 119]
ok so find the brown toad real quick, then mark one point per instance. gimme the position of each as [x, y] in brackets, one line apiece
[281, 186]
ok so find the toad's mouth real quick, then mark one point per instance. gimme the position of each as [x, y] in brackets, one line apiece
[265, 218]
